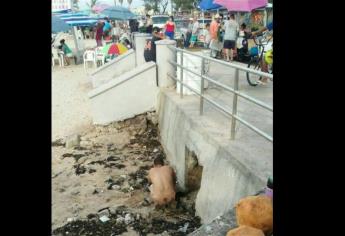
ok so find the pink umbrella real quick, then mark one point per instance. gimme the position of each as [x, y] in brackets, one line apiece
[241, 5]
[100, 7]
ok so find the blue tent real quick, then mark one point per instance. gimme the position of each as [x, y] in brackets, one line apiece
[208, 5]
[118, 13]
[58, 25]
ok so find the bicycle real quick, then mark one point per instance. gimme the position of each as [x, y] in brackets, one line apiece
[255, 61]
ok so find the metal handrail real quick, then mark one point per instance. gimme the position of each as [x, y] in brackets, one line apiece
[234, 90]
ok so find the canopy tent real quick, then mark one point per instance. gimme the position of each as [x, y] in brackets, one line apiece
[118, 13]
[58, 25]
[208, 5]
[243, 5]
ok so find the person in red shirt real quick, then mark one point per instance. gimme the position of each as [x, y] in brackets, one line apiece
[170, 28]
[99, 34]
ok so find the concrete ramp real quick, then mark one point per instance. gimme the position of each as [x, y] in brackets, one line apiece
[130, 94]
[114, 68]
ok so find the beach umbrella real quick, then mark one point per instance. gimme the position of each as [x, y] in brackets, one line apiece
[118, 13]
[115, 48]
[58, 25]
[208, 5]
[243, 5]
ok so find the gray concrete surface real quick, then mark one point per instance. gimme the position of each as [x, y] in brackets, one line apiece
[232, 169]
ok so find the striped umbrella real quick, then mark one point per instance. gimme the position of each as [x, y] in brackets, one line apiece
[100, 7]
[118, 13]
[114, 49]
[59, 25]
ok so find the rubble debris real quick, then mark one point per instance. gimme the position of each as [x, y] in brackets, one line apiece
[72, 141]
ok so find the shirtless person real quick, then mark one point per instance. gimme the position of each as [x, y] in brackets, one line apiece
[163, 183]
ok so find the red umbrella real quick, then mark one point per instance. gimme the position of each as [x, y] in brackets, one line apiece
[114, 49]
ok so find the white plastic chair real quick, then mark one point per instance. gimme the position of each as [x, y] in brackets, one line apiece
[100, 56]
[57, 56]
[89, 56]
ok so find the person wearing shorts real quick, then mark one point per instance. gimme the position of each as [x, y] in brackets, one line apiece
[231, 28]
[195, 31]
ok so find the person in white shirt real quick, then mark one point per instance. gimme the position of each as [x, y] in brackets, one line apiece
[231, 28]
[195, 32]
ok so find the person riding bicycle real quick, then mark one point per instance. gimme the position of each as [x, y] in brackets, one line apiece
[268, 58]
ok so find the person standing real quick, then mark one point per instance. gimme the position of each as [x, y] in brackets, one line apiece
[99, 34]
[106, 29]
[231, 28]
[195, 31]
[170, 28]
[115, 31]
[214, 44]
[189, 33]
[149, 24]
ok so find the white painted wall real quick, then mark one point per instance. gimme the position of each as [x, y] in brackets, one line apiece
[114, 68]
[140, 42]
[130, 94]
[194, 64]
[163, 54]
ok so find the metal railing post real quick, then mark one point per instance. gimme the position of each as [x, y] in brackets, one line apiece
[202, 86]
[234, 105]
[181, 76]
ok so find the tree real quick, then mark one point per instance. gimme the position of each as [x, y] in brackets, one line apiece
[115, 2]
[75, 4]
[92, 4]
[164, 4]
[129, 3]
[121, 2]
[152, 5]
[185, 4]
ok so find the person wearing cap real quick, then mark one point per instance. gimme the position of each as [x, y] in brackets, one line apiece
[195, 30]
[189, 33]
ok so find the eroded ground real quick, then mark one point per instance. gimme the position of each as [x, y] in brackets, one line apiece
[105, 179]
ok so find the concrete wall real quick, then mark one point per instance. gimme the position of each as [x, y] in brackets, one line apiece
[130, 94]
[227, 175]
[140, 42]
[114, 68]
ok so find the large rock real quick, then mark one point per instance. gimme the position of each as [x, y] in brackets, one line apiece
[73, 141]
[245, 231]
[257, 212]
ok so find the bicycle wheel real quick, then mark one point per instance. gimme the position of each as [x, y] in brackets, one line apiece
[252, 78]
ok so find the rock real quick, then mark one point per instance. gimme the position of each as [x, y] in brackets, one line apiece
[128, 218]
[73, 141]
[123, 176]
[58, 142]
[257, 212]
[245, 231]
[67, 155]
[120, 220]
[75, 192]
[155, 150]
[138, 217]
[85, 143]
[71, 219]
